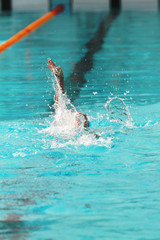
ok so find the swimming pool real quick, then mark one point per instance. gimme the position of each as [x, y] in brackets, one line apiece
[83, 188]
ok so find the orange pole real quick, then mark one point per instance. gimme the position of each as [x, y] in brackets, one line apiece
[30, 28]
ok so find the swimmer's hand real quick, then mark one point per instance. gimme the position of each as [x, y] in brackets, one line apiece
[51, 65]
[58, 73]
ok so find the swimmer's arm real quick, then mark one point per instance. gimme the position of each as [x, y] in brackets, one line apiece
[59, 77]
[61, 84]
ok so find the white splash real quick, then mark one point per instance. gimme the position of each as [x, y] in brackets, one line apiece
[117, 111]
[66, 132]
[21, 154]
[85, 139]
[64, 124]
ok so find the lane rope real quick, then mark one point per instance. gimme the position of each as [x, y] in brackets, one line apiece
[31, 27]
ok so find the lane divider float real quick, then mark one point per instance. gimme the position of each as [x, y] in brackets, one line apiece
[31, 27]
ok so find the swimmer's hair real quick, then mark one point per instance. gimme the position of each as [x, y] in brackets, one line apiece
[86, 122]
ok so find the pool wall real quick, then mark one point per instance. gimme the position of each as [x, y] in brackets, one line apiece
[142, 5]
[24, 5]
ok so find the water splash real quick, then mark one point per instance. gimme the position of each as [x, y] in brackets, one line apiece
[65, 131]
[118, 112]
[64, 126]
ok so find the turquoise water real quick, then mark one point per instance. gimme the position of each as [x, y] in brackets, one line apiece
[84, 187]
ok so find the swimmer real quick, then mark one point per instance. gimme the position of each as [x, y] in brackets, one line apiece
[58, 73]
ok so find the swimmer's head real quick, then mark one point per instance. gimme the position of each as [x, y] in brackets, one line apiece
[81, 118]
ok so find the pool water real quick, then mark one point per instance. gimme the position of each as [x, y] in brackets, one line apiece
[83, 187]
